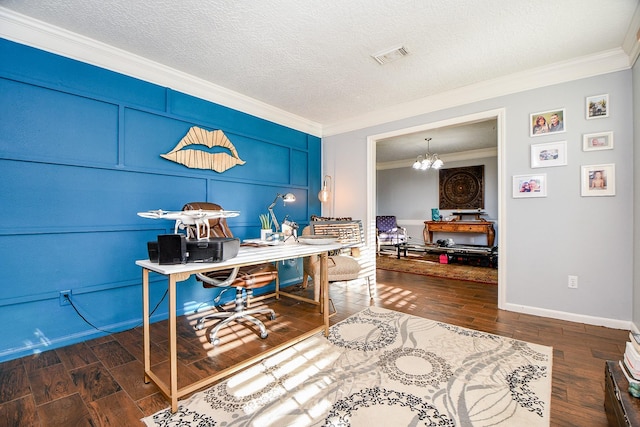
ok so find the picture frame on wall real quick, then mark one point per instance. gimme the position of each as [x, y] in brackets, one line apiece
[532, 185]
[461, 188]
[546, 122]
[598, 180]
[549, 154]
[597, 106]
[597, 141]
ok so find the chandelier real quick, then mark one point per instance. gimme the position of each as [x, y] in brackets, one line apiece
[428, 161]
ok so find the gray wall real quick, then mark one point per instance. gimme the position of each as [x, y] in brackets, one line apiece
[410, 195]
[543, 240]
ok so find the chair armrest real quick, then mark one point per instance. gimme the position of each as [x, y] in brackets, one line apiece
[217, 282]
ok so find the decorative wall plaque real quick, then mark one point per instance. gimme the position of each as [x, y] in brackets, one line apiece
[462, 188]
[197, 159]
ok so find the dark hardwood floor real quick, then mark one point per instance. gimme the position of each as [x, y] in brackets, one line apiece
[100, 382]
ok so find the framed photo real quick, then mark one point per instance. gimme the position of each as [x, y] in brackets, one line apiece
[530, 185]
[597, 141]
[546, 122]
[550, 154]
[599, 180]
[597, 106]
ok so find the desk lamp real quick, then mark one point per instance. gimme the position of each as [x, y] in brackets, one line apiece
[289, 197]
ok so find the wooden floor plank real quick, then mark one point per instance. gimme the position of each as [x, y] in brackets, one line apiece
[105, 375]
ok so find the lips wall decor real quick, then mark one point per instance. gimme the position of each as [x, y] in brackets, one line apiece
[196, 159]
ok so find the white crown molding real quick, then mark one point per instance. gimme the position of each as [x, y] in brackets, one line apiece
[561, 72]
[38, 34]
[482, 153]
[631, 43]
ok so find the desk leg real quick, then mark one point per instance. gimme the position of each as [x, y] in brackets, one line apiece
[173, 352]
[145, 323]
[324, 292]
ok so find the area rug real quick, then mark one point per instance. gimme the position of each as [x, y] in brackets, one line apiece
[382, 368]
[429, 265]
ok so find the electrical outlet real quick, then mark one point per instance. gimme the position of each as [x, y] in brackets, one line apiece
[573, 282]
[64, 297]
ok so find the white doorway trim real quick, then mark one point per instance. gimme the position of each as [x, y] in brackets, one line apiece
[499, 115]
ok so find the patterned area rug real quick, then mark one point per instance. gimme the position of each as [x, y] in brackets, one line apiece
[382, 368]
[429, 265]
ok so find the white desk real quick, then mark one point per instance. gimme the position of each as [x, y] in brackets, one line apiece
[181, 272]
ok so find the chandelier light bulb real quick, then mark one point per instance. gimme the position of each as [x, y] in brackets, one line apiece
[437, 163]
[418, 163]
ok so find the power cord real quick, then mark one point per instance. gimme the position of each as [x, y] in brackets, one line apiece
[66, 297]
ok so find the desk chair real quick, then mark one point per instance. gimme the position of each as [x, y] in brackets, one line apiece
[340, 267]
[243, 279]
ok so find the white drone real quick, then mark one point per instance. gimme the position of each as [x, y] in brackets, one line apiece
[199, 218]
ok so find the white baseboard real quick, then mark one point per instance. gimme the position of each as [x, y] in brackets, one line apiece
[572, 317]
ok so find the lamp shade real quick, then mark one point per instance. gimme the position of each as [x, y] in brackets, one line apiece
[325, 193]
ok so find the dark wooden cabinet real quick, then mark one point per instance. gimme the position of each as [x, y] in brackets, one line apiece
[621, 408]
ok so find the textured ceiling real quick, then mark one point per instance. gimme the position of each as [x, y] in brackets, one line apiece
[313, 59]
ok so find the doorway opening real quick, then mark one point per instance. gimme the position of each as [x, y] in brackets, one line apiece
[415, 133]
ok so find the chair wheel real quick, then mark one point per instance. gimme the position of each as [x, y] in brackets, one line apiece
[263, 336]
[272, 317]
[216, 341]
[199, 326]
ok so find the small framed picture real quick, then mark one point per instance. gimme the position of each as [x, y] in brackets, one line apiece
[546, 122]
[597, 106]
[550, 154]
[599, 180]
[530, 185]
[597, 141]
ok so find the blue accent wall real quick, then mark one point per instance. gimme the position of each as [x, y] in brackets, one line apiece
[80, 156]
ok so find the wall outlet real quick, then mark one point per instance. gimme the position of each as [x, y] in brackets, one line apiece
[64, 297]
[573, 282]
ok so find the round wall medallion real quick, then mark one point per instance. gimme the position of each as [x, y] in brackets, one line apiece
[462, 188]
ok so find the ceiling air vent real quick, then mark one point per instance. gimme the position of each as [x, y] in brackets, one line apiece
[390, 55]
